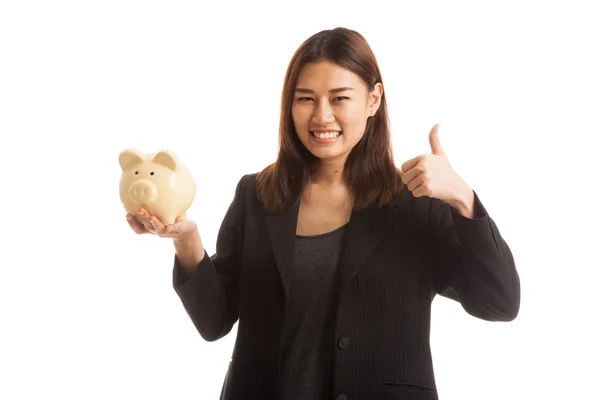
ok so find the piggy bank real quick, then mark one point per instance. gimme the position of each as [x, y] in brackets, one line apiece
[158, 182]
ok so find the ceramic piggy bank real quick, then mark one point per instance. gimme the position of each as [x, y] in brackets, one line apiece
[158, 182]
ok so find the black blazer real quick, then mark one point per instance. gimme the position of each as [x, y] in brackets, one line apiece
[394, 261]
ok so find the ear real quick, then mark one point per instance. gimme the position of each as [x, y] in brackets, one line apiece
[130, 157]
[375, 96]
[169, 159]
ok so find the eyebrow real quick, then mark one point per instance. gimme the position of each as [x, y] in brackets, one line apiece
[336, 90]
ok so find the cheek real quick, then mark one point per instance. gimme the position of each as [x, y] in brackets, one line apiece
[353, 121]
[299, 118]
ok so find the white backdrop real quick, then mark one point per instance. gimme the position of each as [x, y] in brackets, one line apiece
[87, 307]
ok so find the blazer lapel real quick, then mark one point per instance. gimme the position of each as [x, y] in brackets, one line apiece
[282, 232]
[363, 233]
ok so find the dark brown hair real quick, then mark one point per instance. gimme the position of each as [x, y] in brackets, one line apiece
[369, 170]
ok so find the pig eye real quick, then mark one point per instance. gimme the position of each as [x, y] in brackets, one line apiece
[151, 173]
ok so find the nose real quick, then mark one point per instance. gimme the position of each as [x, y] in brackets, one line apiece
[143, 191]
[323, 114]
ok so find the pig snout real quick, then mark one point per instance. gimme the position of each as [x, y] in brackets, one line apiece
[143, 191]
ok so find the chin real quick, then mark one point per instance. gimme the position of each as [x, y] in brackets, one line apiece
[328, 154]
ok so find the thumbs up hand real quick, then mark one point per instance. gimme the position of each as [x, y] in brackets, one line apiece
[432, 175]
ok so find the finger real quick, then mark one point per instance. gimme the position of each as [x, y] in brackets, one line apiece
[181, 228]
[415, 183]
[410, 175]
[156, 225]
[410, 164]
[147, 225]
[173, 229]
[137, 226]
[145, 219]
[420, 191]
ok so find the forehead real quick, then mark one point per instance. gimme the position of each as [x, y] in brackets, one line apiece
[325, 75]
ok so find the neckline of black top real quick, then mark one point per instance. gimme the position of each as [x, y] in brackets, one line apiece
[322, 235]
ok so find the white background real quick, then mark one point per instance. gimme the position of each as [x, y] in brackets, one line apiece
[87, 307]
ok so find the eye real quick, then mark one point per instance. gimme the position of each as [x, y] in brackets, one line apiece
[340, 98]
[304, 98]
[136, 172]
[151, 173]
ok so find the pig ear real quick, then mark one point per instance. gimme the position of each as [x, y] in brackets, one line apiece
[130, 157]
[167, 158]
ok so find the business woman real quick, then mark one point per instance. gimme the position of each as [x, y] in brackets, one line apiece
[330, 257]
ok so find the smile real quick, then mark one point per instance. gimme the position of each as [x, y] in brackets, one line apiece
[327, 135]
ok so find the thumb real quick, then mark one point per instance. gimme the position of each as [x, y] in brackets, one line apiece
[182, 227]
[434, 141]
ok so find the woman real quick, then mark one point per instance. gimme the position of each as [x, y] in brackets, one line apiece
[330, 257]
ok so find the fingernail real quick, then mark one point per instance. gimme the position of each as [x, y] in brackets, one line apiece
[129, 217]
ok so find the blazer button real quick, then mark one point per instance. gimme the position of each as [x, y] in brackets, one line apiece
[341, 397]
[343, 343]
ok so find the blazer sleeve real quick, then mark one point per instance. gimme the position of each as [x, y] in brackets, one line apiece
[211, 295]
[472, 263]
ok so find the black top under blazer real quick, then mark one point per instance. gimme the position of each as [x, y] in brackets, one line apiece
[393, 262]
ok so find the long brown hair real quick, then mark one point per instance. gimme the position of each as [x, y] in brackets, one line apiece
[369, 170]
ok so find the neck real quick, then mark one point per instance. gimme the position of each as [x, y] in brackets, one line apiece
[329, 173]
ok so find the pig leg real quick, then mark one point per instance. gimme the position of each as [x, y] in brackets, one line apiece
[170, 219]
[167, 219]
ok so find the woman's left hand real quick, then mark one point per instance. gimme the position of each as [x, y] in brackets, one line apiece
[432, 175]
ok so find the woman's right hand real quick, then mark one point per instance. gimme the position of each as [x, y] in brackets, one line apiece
[181, 229]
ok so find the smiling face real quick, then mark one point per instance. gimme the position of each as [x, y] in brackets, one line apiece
[330, 109]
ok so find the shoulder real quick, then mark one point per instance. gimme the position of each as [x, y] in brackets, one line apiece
[247, 182]
[416, 211]
[404, 199]
[245, 189]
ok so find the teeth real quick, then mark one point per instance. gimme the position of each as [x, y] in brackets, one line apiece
[326, 135]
